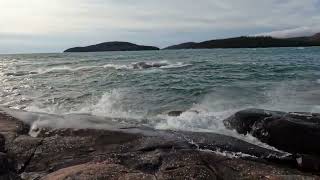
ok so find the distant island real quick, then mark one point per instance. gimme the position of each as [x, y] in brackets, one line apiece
[112, 46]
[236, 42]
[251, 42]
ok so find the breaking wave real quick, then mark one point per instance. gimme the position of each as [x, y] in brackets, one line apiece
[111, 107]
[117, 66]
[147, 65]
[65, 68]
[87, 90]
[132, 66]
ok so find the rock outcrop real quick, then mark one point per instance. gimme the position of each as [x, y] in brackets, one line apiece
[112, 46]
[135, 153]
[291, 132]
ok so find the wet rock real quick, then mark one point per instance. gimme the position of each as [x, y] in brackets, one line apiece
[63, 148]
[291, 132]
[6, 168]
[19, 146]
[136, 153]
[188, 172]
[98, 171]
[233, 168]
[10, 127]
[176, 164]
[21, 150]
[4, 164]
[178, 113]
[175, 113]
[2, 143]
[308, 162]
[218, 142]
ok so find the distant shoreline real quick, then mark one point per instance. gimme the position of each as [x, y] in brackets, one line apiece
[8, 54]
[236, 42]
[251, 42]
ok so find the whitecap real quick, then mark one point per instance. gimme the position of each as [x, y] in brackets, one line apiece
[65, 68]
[147, 65]
[117, 66]
[175, 65]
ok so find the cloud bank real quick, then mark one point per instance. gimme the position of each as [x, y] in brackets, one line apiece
[295, 32]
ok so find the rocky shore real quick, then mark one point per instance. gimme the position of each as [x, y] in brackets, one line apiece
[144, 153]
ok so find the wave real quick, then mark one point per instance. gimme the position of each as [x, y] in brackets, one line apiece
[39, 120]
[200, 119]
[65, 68]
[50, 70]
[110, 104]
[20, 73]
[112, 107]
[300, 48]
[117, 66]
[206, 115]
[147, 65]
[176, 65]
[132, 66]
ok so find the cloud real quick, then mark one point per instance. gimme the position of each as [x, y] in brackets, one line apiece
[77, 22]
[295, 32]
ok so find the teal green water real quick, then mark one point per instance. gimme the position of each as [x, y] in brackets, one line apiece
[209, 81]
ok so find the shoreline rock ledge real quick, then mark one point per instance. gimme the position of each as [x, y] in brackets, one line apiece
[135, 153]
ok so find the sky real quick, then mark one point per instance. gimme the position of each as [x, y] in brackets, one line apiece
[38, 26]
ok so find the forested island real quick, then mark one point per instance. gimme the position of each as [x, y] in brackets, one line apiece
[251, 42]
[112, 46]
[236, 42]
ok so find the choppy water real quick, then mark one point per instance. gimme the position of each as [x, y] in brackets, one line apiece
[215, 83]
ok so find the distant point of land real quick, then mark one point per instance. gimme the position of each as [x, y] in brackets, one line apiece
[112, 46]
[251, 42]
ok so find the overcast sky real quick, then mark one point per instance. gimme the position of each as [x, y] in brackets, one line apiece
[53, 25]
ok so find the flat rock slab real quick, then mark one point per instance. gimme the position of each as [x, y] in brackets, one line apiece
[134, 153]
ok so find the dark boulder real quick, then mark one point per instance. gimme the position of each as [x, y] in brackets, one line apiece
[2, 143]
[175, 113]
[178, 113]
[307, 162]
[291, 132]
[4, 164]
[6, 168]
